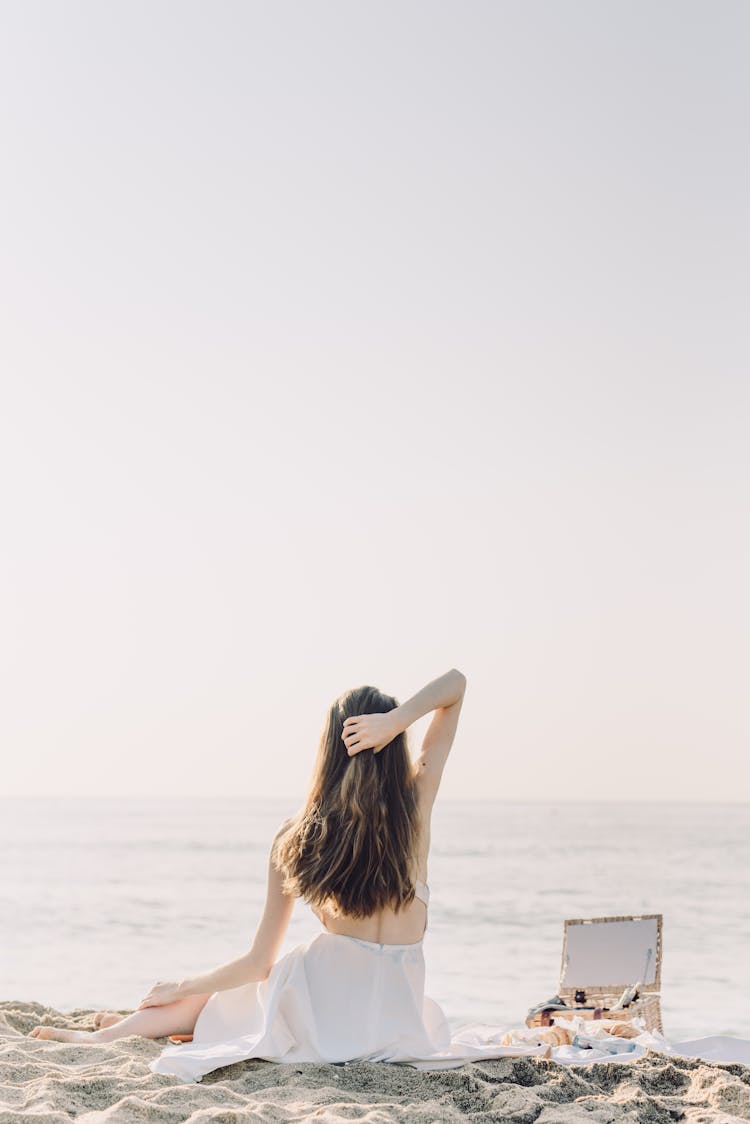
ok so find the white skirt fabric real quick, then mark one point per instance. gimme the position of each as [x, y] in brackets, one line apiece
[343, 999]
[334, 999]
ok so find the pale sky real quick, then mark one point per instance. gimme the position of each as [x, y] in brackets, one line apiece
[347, 343]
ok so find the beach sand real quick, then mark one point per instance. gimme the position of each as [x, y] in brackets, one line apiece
[112, 1084]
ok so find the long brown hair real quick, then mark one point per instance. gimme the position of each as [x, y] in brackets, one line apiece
[351, 847]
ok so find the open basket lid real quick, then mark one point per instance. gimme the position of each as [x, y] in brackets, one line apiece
[608, 954]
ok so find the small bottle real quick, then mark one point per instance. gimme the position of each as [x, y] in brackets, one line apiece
[611, 1046]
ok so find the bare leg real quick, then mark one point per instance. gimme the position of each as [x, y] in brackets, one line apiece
[105, 1018]
[157, 1022]
[152, 1022]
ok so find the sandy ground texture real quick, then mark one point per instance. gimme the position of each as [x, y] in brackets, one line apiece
[112, 1084]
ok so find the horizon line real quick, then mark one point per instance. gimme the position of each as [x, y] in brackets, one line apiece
[442, 800]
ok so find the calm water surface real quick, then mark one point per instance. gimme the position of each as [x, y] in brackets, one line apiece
[100, 898]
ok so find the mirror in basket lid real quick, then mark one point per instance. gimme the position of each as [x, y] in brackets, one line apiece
[607, 954]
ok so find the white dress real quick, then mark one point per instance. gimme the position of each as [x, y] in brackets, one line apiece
[336, 998]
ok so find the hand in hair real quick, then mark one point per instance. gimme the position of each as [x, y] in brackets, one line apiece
[369, 731]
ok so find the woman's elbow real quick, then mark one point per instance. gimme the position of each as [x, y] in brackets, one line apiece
[257, 969]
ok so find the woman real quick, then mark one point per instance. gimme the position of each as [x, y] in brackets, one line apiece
[357, 854]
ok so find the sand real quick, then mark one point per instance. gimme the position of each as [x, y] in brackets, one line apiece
[112, 1084]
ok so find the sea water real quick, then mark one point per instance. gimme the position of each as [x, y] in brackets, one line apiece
[100, 898]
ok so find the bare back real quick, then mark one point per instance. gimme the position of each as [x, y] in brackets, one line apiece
[386, 926]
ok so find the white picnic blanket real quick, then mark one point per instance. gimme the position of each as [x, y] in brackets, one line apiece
[607, 1047]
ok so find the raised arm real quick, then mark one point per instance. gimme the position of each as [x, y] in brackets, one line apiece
[445, 696]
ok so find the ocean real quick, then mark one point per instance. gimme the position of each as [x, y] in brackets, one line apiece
[100, 898]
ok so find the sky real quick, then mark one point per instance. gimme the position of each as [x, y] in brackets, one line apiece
[345, 344]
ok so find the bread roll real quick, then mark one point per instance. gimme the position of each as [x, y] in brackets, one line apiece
[624, 1030]
[555, 1036]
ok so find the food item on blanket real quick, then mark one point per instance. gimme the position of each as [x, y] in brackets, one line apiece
[624, 1030]
[519, 1036]
[552, 1035]
[556, 1036]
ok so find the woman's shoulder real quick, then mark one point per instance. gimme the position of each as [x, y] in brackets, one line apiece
[284, 826]
[278, 839]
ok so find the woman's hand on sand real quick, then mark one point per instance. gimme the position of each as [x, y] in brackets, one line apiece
[161, 993]
[369, 731]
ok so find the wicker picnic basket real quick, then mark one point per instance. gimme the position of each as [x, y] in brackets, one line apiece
[602, 956]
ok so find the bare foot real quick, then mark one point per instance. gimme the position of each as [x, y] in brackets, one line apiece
[59, 1034]
[106, 1018]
